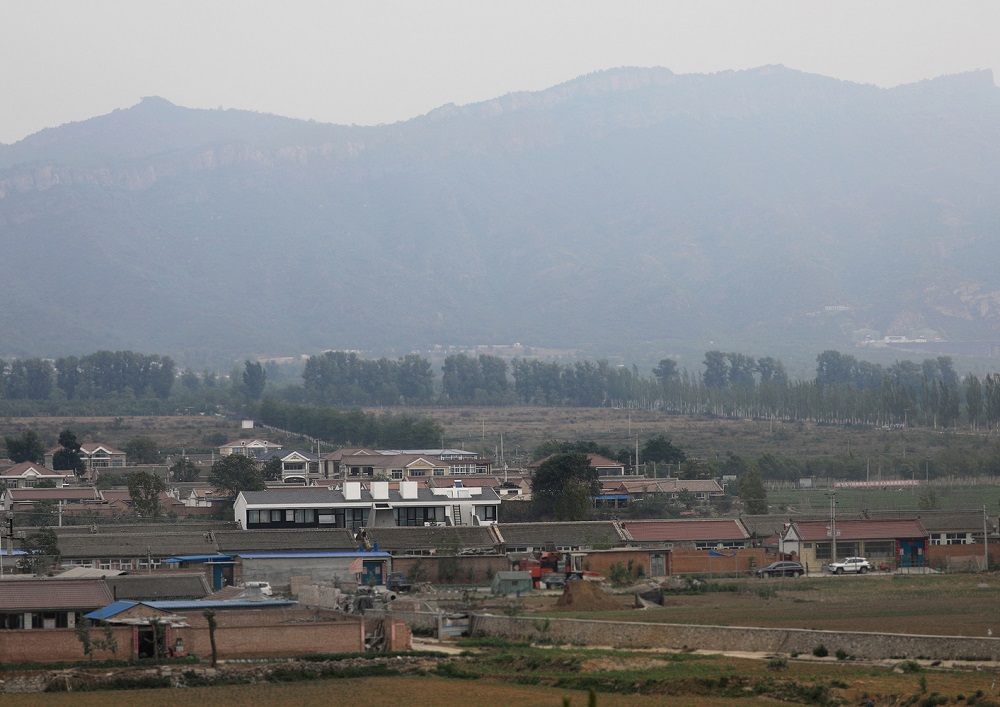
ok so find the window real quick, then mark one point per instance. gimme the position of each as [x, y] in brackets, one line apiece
[305, 516]
[880, 548]
[125, 564]
[397, 474]
[418, 472]
[276, 516]
[104, 564]
[439, 472]
[487, 512]
[417, 516]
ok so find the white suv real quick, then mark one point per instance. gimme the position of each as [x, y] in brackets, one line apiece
[851, 564]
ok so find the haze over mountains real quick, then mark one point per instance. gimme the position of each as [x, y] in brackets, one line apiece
[632, 213]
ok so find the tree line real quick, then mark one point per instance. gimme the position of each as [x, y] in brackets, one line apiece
[101, 374]
[844, 390]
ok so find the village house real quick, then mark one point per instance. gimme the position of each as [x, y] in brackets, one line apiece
[247, 447]
[297, 466]
[29, 475]
[49, 603]
[895, 543]
[356, 507]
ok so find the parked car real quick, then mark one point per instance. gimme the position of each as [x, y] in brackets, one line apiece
[781, 569]
[264, 587]
[858, 565]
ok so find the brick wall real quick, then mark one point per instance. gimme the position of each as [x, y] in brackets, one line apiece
[55, 645]
[240, 634]
[700, 562]
[468, 569]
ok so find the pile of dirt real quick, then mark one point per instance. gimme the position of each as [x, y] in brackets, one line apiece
[582, 595]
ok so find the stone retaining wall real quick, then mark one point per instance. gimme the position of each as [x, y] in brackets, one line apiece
[873, 646]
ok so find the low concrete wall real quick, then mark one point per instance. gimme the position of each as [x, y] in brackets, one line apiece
[727, 638]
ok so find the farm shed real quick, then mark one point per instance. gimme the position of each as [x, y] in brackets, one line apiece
[511, 582]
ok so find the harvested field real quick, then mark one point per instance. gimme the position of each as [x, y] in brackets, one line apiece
[937, 605]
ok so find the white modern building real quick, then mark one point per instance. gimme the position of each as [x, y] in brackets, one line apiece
[354, 506]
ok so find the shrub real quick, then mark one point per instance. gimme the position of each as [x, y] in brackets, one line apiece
[820, 651]
[777, 664]
[841, 654]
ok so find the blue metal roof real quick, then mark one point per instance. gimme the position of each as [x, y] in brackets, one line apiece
[110, 610]
[279, 555]
[201, 558]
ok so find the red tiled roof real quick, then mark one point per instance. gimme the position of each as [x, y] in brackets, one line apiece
[41, 594]
[25, 466]
[686, 530]
[817, 530]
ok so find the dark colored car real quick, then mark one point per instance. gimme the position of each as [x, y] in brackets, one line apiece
[781, 569]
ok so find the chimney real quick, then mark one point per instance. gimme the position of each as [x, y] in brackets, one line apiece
[408, 489]
[380, 490]
[352, 490]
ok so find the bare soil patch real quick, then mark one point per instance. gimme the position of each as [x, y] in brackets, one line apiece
[581, 595]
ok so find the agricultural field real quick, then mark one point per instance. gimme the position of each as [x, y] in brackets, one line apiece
[518, 674]
[934, 604]
[521, 429]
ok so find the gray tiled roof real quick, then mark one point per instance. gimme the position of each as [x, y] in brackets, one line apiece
[233, 541]
[441, 538]
[582, 534]
[141, 587]
[940, 521]
[136, 545]
[145, 528]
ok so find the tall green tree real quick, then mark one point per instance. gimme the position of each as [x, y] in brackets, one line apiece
[659, 448]
[716, 370]
[26, 447]
[254, 379]
[42, 552]
[142, 450]
[68, 457]
[144, 488]
[563, 485]
[666, 370]
[236, 473]
[184, 470]
[752, 492]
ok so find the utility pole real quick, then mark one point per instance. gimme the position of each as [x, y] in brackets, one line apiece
[986, 541]
[833, 525]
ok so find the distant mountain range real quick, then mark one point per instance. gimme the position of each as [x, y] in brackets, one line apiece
[631, 214]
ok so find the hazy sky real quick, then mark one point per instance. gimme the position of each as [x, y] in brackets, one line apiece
[371, 61]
